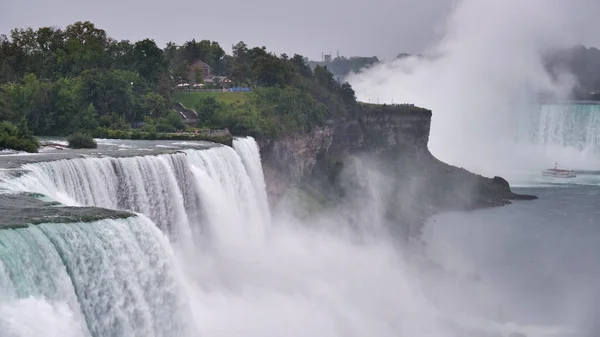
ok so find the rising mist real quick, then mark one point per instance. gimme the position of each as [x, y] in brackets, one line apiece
[483, 79]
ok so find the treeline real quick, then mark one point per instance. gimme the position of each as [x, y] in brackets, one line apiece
[78, 78]
[290, 96]
[342, 66]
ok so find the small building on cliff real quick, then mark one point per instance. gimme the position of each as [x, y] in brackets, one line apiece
[199, 73]
[201, 68]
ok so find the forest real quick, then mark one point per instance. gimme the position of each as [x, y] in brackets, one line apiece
[55, 82]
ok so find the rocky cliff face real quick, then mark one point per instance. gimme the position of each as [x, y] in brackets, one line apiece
[291, 159]
[393, 139]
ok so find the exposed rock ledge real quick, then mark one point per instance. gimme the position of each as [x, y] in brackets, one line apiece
[22, 210]
[394, 138]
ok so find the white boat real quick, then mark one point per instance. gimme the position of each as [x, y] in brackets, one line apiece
[559, 173]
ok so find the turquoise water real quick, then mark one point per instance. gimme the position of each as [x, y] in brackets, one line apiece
[112, 277]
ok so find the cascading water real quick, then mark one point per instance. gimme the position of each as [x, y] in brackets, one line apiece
[249, 272]
[230, 197]
[567, 134]
[249, 152]
[105, 278]
[157, 186]
[569, 125]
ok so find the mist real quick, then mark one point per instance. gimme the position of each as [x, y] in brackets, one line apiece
[482, 81]
[340, 271]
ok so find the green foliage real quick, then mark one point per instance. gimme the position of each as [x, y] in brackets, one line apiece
[170, 123]
[342, 66]
[80, 140]
[80, 80]
[148, 60]
[142, 135]
[68, 80]
[153, 105]
[208, 110]
[191, 99]
[165, 127]
[86, 119]
[17, 137]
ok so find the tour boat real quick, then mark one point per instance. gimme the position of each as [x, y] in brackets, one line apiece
[559, 173]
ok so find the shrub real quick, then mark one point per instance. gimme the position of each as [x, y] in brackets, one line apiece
[164, 127]
[136, 135]
[118, 134]
[17, 138]
[101, 132]
[80, 140]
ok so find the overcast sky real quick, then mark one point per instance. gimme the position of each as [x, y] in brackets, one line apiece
[354, 27]
[309, 27]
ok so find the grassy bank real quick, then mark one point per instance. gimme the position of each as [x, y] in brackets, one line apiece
[136, 135]
[191, 99]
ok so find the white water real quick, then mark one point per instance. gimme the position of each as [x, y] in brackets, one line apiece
[563, 134]
[105, 278]
[249, 272]
[575, 127]
[52, 320]
[249, 153]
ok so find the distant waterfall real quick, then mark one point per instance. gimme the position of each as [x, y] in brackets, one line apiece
[116, 277]
[575, 125]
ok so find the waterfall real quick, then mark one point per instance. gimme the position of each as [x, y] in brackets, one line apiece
[158, 186]
[109, 277]
[575, 125]
[250, 273]
[234, 208]
[565, 133]
[173, 190]
[248, 150]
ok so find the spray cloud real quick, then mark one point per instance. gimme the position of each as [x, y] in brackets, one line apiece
[483, 77]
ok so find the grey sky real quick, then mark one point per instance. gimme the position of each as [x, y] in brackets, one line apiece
[375, 27]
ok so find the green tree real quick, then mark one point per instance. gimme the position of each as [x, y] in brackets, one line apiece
[154, 105]
[347, 93]
[149, 60]
[208, 110]
[17, 137]
[84, 48]
[85, 120]
[120, 55]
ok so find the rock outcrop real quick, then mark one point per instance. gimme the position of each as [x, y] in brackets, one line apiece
[394, 140]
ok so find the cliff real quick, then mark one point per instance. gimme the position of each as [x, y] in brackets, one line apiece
[393, 141]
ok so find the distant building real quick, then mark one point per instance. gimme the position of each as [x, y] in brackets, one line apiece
[224, 80]
[200, 68]
[327, 58]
